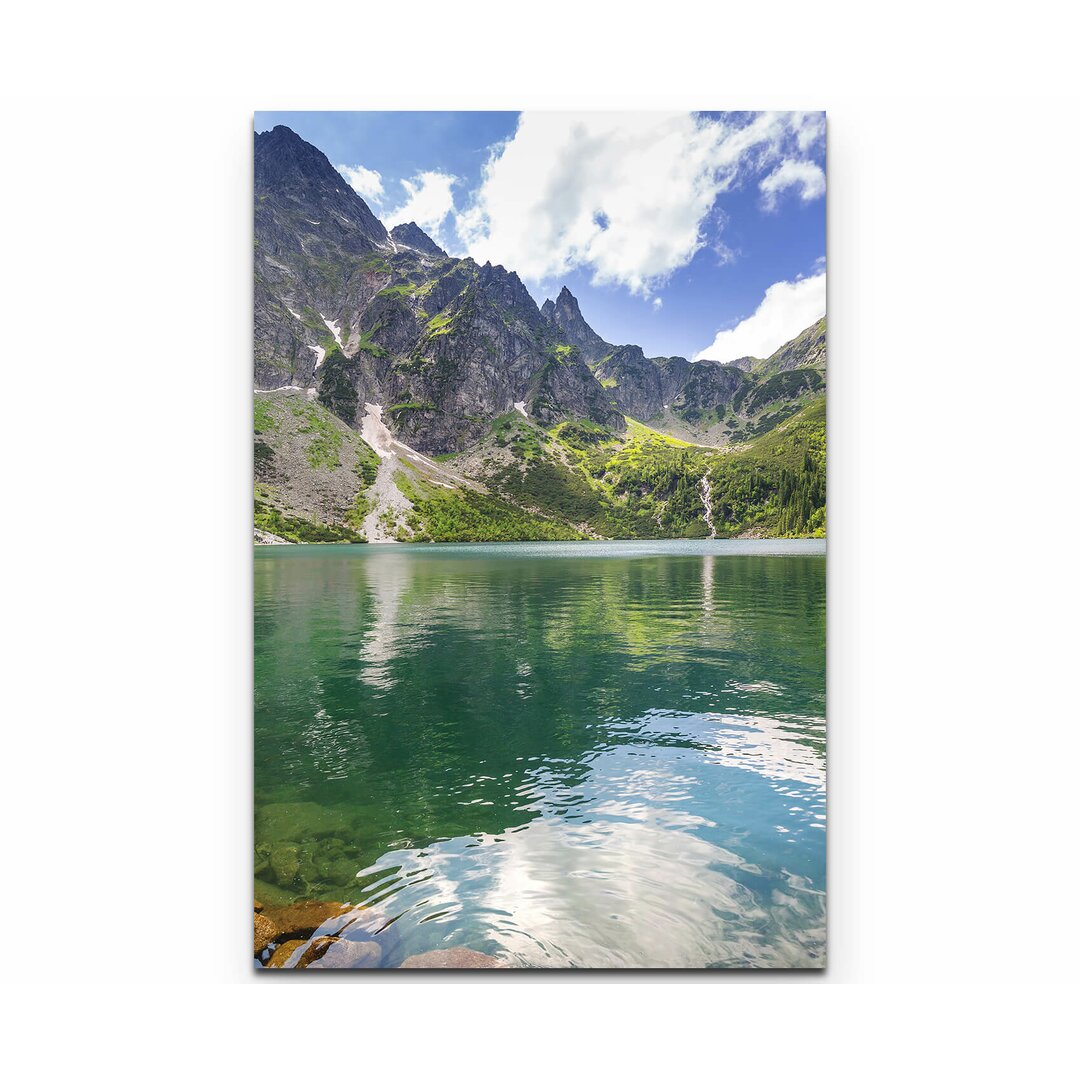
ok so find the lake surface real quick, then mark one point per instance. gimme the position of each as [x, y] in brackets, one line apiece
[604, 754]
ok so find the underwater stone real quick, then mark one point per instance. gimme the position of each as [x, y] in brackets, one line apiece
[456, 957]
[343, 953]
[304, 918]
[276, 822]
[284, 951]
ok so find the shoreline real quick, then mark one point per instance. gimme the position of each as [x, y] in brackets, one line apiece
[759, 546]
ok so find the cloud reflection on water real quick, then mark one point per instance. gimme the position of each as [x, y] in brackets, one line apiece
[588, 762]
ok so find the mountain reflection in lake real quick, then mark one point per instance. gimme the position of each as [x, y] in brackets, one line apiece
[562, 755]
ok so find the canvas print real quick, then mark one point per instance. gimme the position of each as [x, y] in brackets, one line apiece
[539, 523]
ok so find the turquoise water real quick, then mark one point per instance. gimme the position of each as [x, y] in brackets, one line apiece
[566, 755]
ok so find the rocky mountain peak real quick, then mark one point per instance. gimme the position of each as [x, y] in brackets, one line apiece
[411, 235]
[565, 313]
[806, 350]
[299, 180]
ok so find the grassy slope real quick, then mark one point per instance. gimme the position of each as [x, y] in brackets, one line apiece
[311, 471]
[574, 480]
[649, 484]
[461, 515]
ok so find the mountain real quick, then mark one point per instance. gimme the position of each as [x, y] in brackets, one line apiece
[377, 353]
[711, 402]
[806, 350]
[365, 315]
[565, 314]
[412, 236]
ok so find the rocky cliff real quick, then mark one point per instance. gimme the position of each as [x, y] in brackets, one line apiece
[565, 314]
[358, 315]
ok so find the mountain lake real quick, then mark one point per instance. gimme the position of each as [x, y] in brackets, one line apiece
[588, 755]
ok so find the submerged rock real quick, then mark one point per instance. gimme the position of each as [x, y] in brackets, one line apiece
[265, 932]
[307, 916]
[343, 953]
[268, 895]
[284, 951]
[285, 863]
[456, 957]
[334, 952]
[276, 822]
[314, 949]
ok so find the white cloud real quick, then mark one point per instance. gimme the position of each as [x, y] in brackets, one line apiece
[624, 195]
[793, 174]
[430, 200]
[808, 128]
[367, 183]
[657, 303]
[788, 308]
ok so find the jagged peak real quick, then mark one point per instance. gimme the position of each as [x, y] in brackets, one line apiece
[285, 163]
[567, 301]
[411, 235]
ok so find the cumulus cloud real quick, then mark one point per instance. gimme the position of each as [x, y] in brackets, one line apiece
[657, 303]
[623, 196]
[429, 200]
[804, 175]
[788, 308]
[367, 183]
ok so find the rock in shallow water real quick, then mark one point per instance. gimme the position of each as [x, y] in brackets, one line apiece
[329, 952]
[456, 957]
[284, 951]
[265, 932]
[268, 895]
[278, 822]
[285, 863]
[304, 918]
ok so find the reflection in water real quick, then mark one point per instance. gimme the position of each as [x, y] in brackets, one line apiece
[604, 762]
[382, 640]
[707, 604]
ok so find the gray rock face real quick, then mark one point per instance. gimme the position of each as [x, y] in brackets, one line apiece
[442, 344]
[674, 371]
[708, 386]
[643, 387]
[566, 315]
[564, 388]
[806, 350]
[634, 381]
[488, 348]
[312, 233]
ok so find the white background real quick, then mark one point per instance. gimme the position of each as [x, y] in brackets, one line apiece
[953, 225]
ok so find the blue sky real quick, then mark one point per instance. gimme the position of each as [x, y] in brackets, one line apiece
[689, 234]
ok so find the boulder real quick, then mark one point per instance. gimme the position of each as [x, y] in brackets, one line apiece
[285, 863]
[284, 951]
[304, 918]
[342, 953]
[456, 957]
[265, 932]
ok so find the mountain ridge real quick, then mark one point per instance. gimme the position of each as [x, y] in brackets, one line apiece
[454, 356]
